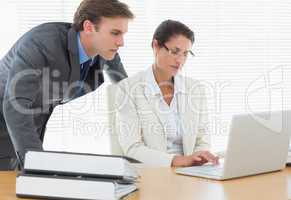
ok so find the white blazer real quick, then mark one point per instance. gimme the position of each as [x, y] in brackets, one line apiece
[140, 126]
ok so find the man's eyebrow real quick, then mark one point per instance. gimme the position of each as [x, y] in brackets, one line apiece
[116, 30]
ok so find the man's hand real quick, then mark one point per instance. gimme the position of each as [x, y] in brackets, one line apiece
[196, 159]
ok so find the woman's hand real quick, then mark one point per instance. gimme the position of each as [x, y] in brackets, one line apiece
[197, 158]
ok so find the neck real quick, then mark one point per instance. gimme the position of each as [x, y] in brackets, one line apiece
[86, 45]
[160, 76]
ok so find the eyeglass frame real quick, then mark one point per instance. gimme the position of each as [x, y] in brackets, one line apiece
[175, 54]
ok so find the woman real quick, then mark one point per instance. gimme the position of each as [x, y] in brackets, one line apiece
[161, 115]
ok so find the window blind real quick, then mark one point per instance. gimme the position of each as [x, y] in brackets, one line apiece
[242, 53]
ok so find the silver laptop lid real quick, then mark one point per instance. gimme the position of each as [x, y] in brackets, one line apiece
[258, 143]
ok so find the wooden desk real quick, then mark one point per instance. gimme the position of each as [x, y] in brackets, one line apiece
[164, 184]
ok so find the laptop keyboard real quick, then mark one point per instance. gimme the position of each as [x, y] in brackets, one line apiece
[210, 169]
[215, 170]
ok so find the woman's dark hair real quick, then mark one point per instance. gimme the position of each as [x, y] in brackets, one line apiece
[93, 10]
[170, 28]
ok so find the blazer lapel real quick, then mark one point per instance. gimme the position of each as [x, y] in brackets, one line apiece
[153, 101]
[187, 120]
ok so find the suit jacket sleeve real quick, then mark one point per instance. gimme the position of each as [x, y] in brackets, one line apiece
[130, 132]
[22, 91]
[115, 69]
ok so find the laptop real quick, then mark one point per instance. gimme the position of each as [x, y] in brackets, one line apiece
[258, 143]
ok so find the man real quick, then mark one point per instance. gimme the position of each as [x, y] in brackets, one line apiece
[54, 63]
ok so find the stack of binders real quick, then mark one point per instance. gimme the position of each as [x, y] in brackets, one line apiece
[54, 175]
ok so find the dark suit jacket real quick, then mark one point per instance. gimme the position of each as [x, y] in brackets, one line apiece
[38, 73]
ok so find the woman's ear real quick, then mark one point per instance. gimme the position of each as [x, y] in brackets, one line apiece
[156, 46]
[155, 43]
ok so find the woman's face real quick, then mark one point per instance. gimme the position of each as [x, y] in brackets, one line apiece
[170, 57]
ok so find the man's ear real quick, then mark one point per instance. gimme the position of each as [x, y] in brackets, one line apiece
[88, 27]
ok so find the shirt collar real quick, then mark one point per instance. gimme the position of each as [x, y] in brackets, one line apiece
[152, 83]
[178, 84]
[83, 57]
[153, 87]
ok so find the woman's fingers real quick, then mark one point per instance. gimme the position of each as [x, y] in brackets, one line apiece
[207, 157]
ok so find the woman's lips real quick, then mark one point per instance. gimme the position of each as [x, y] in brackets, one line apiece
[174, 66]
[113, 50]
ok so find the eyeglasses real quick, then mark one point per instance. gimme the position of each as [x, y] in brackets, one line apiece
[177, 52]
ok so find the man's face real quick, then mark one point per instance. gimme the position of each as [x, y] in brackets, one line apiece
[108, 37]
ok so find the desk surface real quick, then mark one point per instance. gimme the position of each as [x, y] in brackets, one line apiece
[163, 183]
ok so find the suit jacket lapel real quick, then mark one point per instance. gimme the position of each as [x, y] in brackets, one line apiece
[74, 60]
[95, 76]
[101, 63]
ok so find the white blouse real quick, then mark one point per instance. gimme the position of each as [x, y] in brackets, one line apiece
[173, 124]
